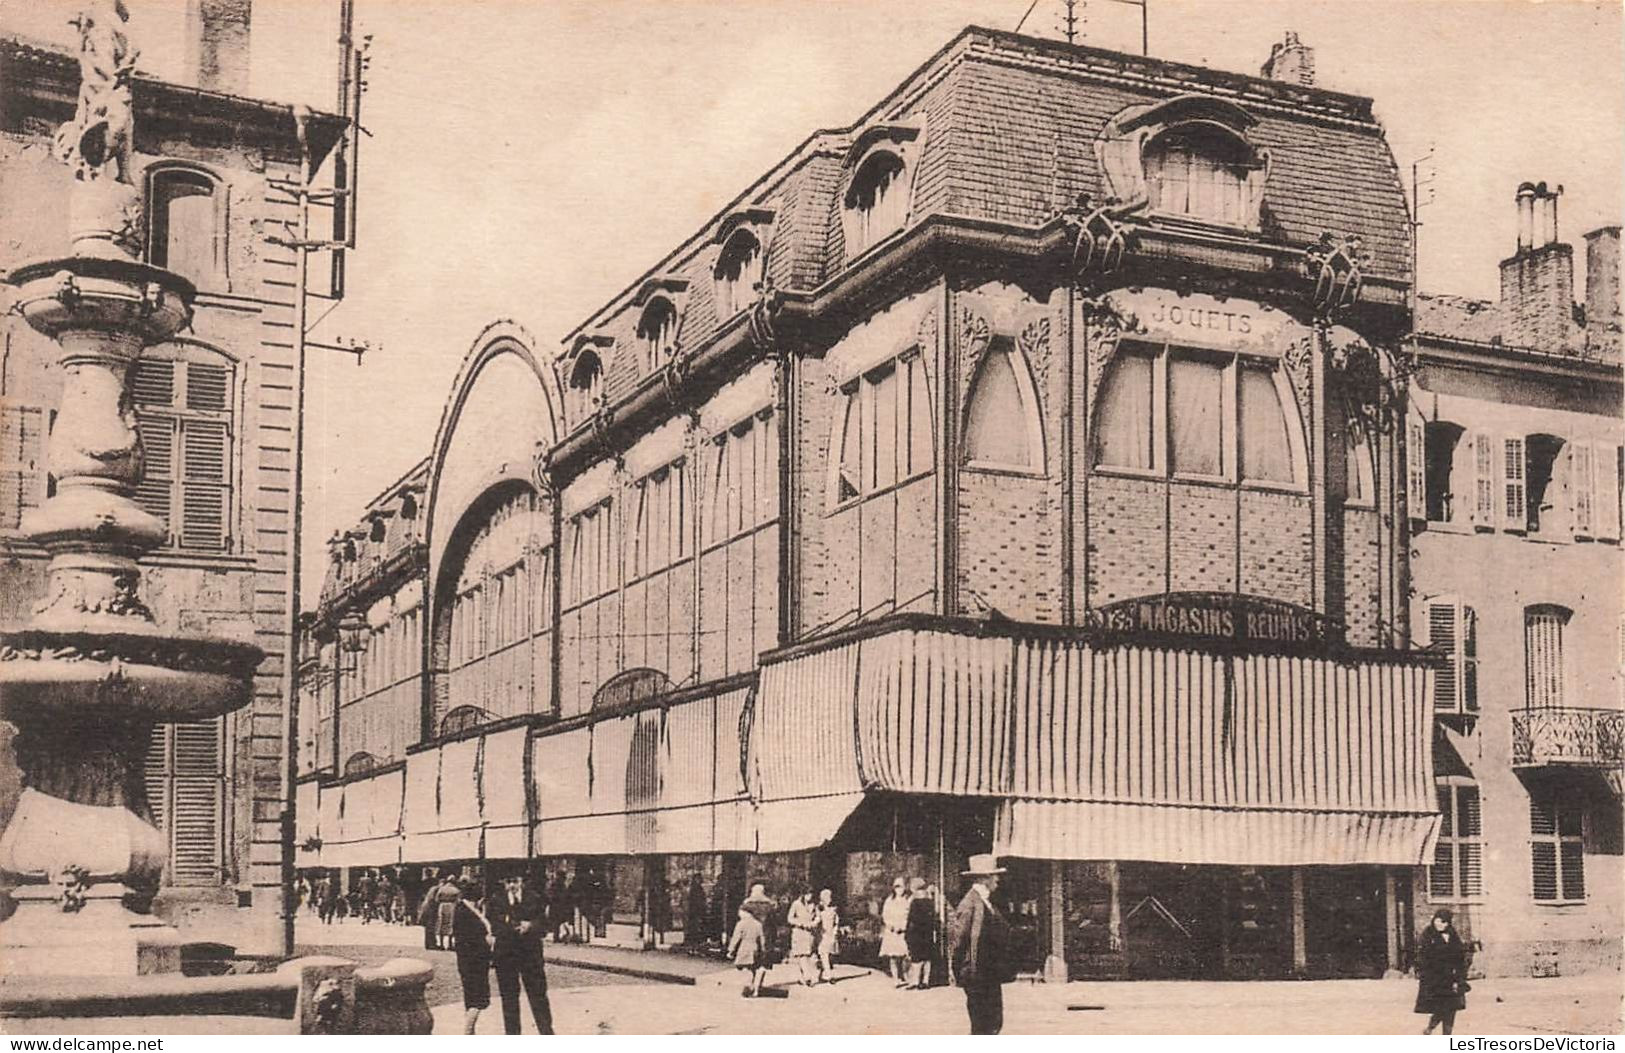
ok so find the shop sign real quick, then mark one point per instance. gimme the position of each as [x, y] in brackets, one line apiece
[1214, 616]
[1196, 319]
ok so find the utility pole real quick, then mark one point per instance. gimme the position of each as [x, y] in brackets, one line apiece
[353, 62]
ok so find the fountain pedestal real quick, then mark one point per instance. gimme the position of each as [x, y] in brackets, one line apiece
[89, 675]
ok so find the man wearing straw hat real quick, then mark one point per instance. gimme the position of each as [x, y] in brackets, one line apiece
[979, 947]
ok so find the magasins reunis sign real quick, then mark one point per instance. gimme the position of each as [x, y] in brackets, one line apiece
[1214, 616]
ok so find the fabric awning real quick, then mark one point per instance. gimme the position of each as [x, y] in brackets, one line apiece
[1160, 754]
[360, 821]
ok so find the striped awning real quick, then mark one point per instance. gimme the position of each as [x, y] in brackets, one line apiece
[659, 781]
[1107, 752]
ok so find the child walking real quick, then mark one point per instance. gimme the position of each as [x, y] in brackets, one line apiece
[748, 951]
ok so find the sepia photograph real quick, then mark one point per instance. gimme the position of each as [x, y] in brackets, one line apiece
[1091, 518]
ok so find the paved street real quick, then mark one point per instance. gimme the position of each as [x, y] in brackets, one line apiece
[591, 1001]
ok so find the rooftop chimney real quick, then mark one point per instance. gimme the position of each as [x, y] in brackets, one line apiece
[217, 34]
[1602, 290]
[1537, 282]
[1291, 62]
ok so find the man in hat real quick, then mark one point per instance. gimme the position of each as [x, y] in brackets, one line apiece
[979, 947]
[517, 921]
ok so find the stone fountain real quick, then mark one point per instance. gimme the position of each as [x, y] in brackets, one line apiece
[89, 675]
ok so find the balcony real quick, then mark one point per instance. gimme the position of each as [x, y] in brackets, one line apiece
[1568, 736]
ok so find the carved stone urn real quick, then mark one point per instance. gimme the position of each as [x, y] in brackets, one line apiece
[89, 675]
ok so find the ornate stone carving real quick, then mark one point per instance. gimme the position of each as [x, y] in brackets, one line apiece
[1372, 380]
[1100, 236]
[1034, 339]
[1106, 323]
[1335, 266]
[72, 884]
[102, 129]
[763, 314]
[926, 333]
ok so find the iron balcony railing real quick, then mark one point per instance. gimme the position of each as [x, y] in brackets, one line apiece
[1568, 735]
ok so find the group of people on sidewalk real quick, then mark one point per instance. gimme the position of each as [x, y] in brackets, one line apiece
[501, 933]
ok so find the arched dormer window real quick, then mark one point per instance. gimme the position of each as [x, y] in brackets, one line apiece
[185, 398]
[585, 389]
[1199, 170]
[876, 201]
[186, 223]
[738, 273]
[1003, 429]
[1188, 157]
[657, 332]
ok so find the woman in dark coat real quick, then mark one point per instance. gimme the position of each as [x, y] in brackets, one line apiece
[920, 933]
[472, 935]
[1441, 971]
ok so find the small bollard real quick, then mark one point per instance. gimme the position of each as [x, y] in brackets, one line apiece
[326, 1002]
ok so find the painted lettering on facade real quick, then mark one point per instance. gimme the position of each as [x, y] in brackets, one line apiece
[1213, 616]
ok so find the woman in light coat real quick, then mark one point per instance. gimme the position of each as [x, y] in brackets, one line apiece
[803, 921]
[829, 927]
[894, 929]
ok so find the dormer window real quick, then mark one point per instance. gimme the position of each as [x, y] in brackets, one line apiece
[186, 224]
[1187, 157]
[1198, 172]
[738, 273]
[657, 332]
[876, 202]
[585, 389]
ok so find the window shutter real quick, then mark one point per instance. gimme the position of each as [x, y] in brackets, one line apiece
[1442, 637]
[152, 382]
[205, 455]
[1605, 508]
[1514, 512]
[1572, 857]
[154, 492]
[208, 387]
[156, 777]
[1484, 480]
[194, 855]
[1442, 875]
[1468, 622]
[1581, 489]
[1416, 479]
[22, 462]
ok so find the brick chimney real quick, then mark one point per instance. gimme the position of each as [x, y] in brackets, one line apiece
[1602, 290]
[1291, 61]
[1537, 282]
[217, 33]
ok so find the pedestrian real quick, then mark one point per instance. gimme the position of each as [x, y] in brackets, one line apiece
[920, 933]
[763, 909]
[446, 895]
[397, 906]
[330, 900]
[894, 928]
[1441, 973]
[829, 927]
[474, 940]
[979, 947]
[580, 907]
[748, 949]
[697, 921]
[366, 893]
[517, 919]
[560, 914]
[803, 922]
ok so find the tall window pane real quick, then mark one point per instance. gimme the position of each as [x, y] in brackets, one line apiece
[996, 428]
[1266, 454]
[1196, 406]
[1125, 413]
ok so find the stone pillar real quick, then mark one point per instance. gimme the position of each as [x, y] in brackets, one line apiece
[1300, 951]
[1055, 961]
[1390, 918]
[1114, 875]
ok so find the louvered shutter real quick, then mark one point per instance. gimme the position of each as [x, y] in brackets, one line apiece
[1468, 661]
[156, 777]
[1416, 476]
[1469, 828]
[152, 382]
[205, 453]
[1581, 490]
[197, 805]
[1514, 510]
[1443, 637]
[1484, 481]
[155, 491]
[22, 462]
[1605, 491]
[208, 387]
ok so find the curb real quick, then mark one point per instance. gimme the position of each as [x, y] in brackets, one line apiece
[634, 971]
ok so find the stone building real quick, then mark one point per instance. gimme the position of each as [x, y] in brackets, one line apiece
[215, 415]
[1515, 439]
[1020, 468]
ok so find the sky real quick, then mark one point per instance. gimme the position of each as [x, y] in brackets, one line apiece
[528, 159]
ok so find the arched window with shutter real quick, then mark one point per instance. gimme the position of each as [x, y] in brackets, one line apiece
[186, 223]
[185, 398]
[1544, 680]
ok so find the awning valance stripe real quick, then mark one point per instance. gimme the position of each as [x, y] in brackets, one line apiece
[1236, 836]
[360, 821]
[804, 732]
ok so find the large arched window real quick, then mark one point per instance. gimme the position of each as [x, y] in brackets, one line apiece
[738, 273]
[657, 332]
[1003, 428]
[1171, 411]
[186, 223]
[184, 396]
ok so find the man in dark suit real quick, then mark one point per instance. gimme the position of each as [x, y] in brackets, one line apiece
[518, 918]
[979, 947]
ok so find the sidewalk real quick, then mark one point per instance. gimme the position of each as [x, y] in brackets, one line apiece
[870, 1004]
